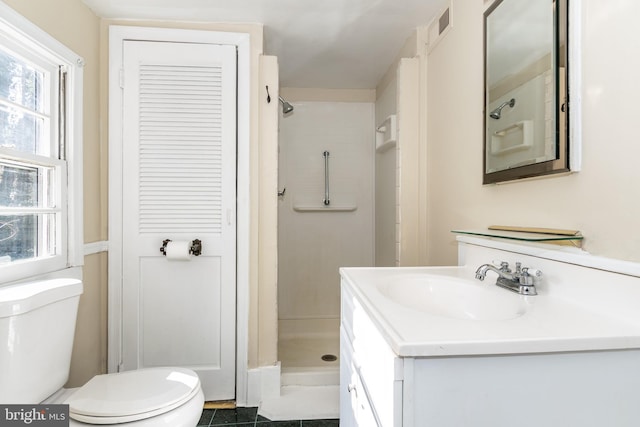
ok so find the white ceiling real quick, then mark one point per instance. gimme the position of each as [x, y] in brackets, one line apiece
[333, 44]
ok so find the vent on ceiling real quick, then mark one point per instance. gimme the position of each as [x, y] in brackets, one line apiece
[439, 27]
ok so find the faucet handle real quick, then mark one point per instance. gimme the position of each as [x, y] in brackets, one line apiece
[530, 276]
[502, 265]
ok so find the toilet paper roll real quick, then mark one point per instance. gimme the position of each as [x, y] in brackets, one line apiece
[178, 250]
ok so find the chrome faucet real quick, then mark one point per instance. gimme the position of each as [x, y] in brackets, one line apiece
[522, 281]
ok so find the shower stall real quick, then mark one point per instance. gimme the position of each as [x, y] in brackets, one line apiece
[325, 221]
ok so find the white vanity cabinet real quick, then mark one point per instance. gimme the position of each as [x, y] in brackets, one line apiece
[370, 373]
[571, 358]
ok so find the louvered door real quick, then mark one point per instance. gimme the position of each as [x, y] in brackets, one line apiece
[179, 170]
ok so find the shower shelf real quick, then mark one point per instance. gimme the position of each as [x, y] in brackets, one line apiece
[346, 208]
[387, 134]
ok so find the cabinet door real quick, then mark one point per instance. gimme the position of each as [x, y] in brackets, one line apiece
[347, 398]
[355, 407]
[379, 368]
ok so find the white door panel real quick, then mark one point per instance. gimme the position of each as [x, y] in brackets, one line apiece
[179, 174]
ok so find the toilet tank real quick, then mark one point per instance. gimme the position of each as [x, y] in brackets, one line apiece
[37, 324]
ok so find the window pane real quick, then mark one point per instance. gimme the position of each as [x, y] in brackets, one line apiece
[20, 82]
[18, 186]
[20, 130]
[26, 236]
[24, 123]
[18, 237]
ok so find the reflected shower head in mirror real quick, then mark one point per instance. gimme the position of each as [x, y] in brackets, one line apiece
[497, 113]
[286, 107]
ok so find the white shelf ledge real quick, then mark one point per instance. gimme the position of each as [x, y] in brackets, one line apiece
[387, 133]
[347, 208]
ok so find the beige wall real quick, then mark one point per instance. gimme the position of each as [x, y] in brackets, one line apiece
[89, 356]
[73, 24]
[399, 210]
[408, 174]
[267, 298]
[386, 167]
[602, 200]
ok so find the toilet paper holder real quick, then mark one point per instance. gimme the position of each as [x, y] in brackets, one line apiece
[195, 248]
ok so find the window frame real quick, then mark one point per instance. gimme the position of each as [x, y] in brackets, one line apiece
[15, 30]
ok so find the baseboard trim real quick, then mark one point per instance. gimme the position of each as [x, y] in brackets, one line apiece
[263, 383]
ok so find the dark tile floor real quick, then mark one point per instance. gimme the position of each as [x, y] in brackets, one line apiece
[248, 417]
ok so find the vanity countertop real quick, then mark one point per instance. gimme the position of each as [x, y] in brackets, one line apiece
[548, 323]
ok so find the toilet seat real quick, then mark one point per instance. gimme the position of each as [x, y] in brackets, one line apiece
[132, 395]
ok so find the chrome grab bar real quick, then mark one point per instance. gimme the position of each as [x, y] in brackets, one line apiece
[326, 200]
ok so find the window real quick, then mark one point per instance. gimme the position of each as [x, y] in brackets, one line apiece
[40, 120]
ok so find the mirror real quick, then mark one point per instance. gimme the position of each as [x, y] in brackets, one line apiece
[526, 93]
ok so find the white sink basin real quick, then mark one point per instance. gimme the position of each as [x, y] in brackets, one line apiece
[454, 298]
[445, 311]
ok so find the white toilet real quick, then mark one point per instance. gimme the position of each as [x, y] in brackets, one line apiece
[37, 324]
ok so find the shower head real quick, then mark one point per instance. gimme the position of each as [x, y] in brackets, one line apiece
[286, 107]
[497, 113]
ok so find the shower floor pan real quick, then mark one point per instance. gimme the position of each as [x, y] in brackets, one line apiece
[310, 358]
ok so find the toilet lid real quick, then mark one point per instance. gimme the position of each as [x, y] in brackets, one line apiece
[132, 395]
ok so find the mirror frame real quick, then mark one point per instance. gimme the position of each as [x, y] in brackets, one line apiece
[561, 52]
